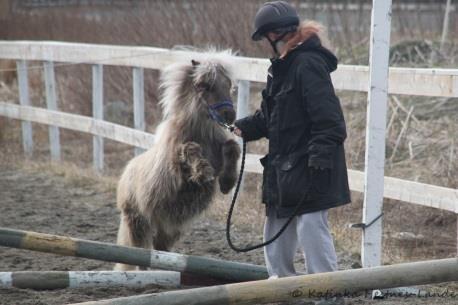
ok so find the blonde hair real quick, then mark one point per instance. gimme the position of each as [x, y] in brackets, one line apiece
[306, 30]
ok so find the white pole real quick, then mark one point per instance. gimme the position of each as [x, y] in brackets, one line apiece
[375, 132]
[50, 280]
[97, 113]
[445, 24]
[243, 99]
[24, 100]
[139, 103]
[51, 103]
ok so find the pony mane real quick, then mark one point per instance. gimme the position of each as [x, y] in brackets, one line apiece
[177, 80]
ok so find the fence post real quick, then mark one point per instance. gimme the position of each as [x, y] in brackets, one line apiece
[455, 85]
[243, 99]
[51, 103]
[446, 24]
[139, 102]
[375, 132]
[24, 100]
[97, 113]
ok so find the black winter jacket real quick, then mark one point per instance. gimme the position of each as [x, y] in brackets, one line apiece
[302, 118]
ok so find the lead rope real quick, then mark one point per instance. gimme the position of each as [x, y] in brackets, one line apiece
[231, 209]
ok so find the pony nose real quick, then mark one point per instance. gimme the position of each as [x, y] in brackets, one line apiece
[229, 116]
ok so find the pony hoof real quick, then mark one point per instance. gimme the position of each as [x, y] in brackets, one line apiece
[202, 172]
[231, 149]
[225, 185]
[189, 152]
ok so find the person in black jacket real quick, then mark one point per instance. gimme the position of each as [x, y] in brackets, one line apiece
[301, 116]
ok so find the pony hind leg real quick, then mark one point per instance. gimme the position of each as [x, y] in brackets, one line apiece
[165, 239]
[134, 231]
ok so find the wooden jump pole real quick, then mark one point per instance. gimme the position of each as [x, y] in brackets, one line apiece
[50, 280]
[197, 265]
[347, 283]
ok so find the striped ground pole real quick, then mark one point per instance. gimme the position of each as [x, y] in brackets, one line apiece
[345, 283]
[206, 271]
[50, 280]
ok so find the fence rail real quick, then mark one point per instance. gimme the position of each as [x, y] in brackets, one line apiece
[424, 82]
[78, 123]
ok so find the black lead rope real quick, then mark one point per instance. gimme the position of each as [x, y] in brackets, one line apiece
[231, 209]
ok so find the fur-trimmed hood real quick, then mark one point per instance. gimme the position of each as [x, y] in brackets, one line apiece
[306, 30]
[311, 35]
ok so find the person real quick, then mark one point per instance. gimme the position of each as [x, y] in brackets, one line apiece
[300, 115]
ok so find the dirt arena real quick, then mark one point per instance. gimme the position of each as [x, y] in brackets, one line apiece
[42, 201]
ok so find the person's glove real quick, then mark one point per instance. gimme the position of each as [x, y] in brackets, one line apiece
[237, 132]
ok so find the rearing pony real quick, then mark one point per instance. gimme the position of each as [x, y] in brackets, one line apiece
[161, 190]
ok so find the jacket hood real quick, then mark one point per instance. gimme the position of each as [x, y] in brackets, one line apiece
[310, 35]
[311, 44]
[314, 44]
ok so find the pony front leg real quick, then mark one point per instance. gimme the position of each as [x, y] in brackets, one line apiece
[228, 176]
[195, 167]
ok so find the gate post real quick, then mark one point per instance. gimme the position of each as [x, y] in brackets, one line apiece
[375, 132]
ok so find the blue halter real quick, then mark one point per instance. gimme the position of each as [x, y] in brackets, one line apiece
[212, 110]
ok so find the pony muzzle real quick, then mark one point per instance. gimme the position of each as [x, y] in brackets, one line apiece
[222, 112]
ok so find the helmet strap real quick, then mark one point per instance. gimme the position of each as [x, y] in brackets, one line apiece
[273, 43]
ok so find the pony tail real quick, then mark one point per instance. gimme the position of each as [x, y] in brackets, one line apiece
[306, 30]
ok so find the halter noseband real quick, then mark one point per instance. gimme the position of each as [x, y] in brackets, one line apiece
[212, 110]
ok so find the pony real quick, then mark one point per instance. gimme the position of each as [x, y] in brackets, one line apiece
[161, 190]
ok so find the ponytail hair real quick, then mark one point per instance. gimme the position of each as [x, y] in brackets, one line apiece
[306, 30]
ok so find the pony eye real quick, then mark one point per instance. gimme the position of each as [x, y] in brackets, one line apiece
[204, 86]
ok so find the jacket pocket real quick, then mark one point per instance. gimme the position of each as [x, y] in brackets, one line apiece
[292, 175]
[321, 180]
[291, 114]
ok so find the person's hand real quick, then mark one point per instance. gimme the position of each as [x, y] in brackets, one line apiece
[237, 132]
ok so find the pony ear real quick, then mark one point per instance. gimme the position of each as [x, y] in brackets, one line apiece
[195, 62]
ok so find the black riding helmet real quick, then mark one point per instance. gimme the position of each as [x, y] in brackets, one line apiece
[275, 16]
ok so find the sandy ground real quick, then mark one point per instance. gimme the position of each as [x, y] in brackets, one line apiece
[48, 203]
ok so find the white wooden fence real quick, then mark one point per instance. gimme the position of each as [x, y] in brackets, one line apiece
[426, 82]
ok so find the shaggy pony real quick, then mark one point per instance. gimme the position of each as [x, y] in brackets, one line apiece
[161, 190]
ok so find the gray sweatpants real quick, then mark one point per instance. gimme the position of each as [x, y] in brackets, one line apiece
[310, 232]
